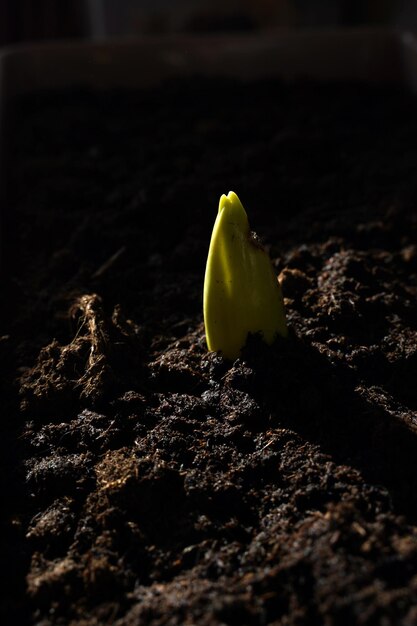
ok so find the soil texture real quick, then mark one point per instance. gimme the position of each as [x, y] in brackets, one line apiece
[147, 481]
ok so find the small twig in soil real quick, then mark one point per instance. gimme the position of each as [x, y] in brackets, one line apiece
[92, 317]
[110, 261]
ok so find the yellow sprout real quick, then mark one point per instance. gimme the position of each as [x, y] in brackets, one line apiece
[241, 291]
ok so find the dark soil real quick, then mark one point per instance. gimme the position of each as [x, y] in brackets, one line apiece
[146, 481]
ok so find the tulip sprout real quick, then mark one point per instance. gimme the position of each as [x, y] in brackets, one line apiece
[241, 291]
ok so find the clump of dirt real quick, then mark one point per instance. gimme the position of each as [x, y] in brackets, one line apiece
[146, 480]
[85, 369]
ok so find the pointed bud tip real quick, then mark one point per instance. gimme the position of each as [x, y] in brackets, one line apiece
[224, 200]
[233, 206]
[233, 197]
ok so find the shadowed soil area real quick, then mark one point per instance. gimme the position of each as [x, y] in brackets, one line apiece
[147, 481]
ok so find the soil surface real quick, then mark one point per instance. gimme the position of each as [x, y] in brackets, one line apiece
[147, 481]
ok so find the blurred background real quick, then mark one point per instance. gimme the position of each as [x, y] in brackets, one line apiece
[29, 20]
